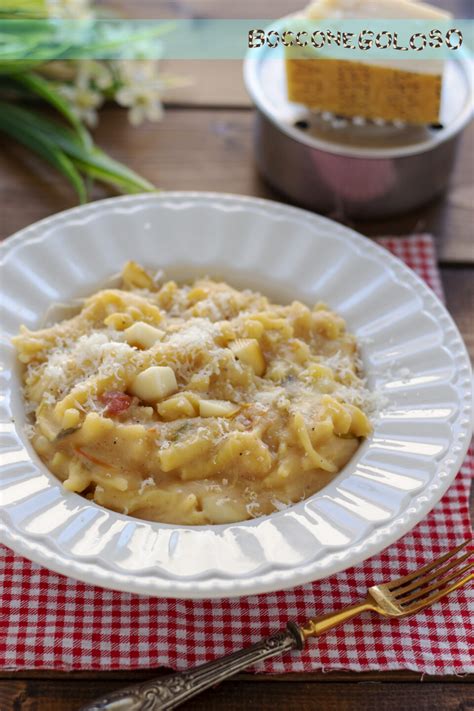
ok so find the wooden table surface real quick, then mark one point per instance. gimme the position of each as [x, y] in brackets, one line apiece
[205, 143]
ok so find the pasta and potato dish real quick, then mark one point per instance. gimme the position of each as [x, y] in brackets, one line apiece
[194, 404]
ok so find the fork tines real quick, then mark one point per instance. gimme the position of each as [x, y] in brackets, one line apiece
[416, 586]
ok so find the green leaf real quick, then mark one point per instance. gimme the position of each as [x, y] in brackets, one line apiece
[115, 174]
[104, 44]
[91, 161]
[46, 40]
[23, 8]
[10, 67]
[35, 140]
[28, 43]
[94, 161]
[45, 89]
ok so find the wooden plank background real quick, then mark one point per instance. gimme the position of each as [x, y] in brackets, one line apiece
[331, 693]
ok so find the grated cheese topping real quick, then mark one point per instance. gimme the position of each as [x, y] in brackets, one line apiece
[221, 406]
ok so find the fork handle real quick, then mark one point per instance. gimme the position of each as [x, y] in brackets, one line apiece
[168, 692]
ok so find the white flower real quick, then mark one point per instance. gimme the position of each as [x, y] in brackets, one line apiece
[139, 71]
[83, 99]
[141, 90]
[70, 9]
[91, 71]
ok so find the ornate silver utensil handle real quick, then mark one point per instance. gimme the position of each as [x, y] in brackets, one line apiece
[170, 691]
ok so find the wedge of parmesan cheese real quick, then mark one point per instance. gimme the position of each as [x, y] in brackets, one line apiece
[407, 89]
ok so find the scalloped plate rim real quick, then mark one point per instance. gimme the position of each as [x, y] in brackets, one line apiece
[279, 578]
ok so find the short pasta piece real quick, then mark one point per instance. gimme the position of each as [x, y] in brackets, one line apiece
[194, 404]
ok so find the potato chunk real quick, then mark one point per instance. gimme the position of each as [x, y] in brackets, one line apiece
[142, 334]
[155, 383]
[217, 408]
[176, 407]
[71, 418]
[248, 351]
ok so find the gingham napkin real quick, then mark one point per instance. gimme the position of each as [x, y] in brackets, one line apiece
[52, 622]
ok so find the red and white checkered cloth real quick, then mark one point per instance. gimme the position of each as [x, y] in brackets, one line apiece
[52, 622]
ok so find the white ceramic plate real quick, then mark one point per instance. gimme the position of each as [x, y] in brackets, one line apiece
[412, 352]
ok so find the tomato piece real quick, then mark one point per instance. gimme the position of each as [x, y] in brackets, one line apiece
[115, 401]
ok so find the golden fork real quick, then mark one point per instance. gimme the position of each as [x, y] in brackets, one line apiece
[396, 598]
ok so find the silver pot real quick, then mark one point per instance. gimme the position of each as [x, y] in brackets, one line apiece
[353, 168]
